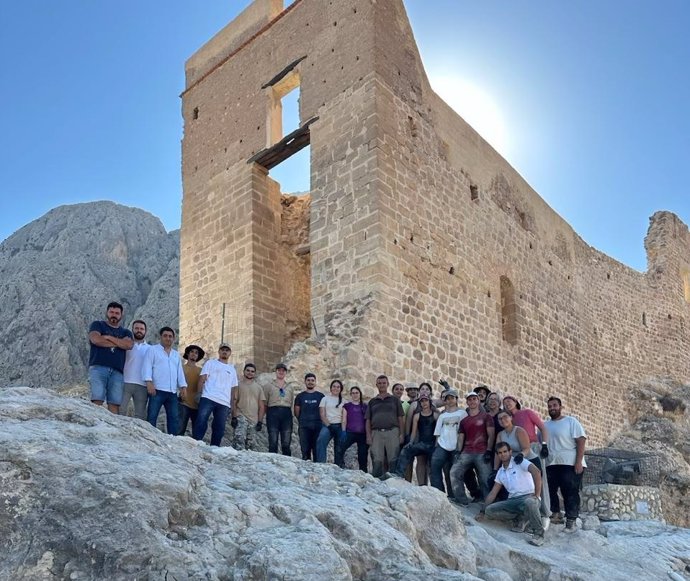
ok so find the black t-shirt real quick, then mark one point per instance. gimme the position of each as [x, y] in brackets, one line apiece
[309, 408]
[425, 428]
[112, 357]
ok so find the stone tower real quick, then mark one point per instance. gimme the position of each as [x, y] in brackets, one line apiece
[423, 253]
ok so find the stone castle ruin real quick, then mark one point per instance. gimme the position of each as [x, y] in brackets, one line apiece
[418, 250]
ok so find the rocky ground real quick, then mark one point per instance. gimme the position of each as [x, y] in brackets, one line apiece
[88, 495]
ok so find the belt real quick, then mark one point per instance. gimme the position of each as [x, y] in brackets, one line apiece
[384, 429]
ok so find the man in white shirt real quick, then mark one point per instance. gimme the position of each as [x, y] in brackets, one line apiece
[446, 433]
[565, 464]
[521, 479]
[162, 371]
[135, 386]
[217, 384]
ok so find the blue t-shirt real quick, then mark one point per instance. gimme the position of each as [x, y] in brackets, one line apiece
[309, 408]
[112, 357]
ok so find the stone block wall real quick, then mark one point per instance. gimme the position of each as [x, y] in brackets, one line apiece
[430, 256]
[618, 502]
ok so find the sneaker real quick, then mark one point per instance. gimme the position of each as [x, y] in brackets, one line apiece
[536, 540]
[545, 522]
[557, 518]
[519, 526]
[570, 526]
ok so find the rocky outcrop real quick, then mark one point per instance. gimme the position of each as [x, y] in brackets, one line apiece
[659, 418]
[58, 273]
[87, 495]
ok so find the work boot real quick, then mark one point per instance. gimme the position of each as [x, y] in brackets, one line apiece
[570, 525]
[557, 518]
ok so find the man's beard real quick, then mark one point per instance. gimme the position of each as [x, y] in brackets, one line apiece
[139, 336]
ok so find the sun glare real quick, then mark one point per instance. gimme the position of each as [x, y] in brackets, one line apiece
[475, 106]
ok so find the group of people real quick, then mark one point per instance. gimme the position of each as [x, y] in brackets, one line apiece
[500, 453]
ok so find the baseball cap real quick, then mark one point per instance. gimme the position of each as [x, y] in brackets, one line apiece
[452, 392]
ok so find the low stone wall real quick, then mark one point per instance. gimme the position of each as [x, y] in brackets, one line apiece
[618, 502]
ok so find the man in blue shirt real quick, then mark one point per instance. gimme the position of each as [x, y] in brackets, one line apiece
[109, 345]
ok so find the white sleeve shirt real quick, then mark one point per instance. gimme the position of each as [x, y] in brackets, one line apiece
[134, 364]
[221, 379]
[163, 369]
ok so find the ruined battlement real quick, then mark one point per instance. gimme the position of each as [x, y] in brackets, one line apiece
[422, 254]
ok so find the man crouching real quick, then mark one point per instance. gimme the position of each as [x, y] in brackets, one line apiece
[520, 479]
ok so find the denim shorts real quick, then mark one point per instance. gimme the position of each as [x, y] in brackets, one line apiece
[107, 384]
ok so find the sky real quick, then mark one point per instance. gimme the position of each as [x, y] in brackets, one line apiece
[588, 100]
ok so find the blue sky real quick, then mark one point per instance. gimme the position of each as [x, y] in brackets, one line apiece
[589, 100]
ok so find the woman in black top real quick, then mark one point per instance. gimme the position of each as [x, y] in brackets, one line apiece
[422, 440]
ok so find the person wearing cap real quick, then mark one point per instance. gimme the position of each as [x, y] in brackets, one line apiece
[280, 396]
[476, 444]
[251, 409]
[189, 404]
[385, 428]
[135, 386]
[522, 480]
[422, 439]
[217, 383]
[162, 371]
[306, 410]
[446, 433]
[483, 392]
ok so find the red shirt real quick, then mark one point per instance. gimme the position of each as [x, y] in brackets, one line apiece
[529, 421]
[475, 430]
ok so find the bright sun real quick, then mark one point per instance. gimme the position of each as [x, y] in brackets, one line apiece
[475, 106]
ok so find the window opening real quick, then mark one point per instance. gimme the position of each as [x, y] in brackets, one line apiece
[509, 321]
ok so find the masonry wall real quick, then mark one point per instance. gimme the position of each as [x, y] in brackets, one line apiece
[430, 256]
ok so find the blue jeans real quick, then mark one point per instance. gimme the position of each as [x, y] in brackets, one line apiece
[186, 414]
[439, 459]
[220, 416]
[461, 465]
[167, 399]
[279, 423]
[409, 453]
[107, 384]
[327, 433]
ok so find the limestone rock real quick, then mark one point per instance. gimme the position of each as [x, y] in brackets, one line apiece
[85, 494]
[659, 417]
[59, 272]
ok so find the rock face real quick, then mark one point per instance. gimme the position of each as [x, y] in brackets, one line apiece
[58, 273]
[88, 495]
[659, 416]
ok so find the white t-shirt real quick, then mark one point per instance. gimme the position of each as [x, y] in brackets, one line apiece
[221, 380]
[334, 415]
[516, 479]
[133, 372]
[447, 428]
[562, 445]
